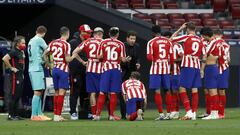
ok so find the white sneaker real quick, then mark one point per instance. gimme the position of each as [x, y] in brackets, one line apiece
[188, 115]
[194, 116]
[139, 113]
[74, 116]
[161, 116]
[167, 117]
[96, 118]
[56, 118]
[212, 116]
[111, 118]
[203, 115]
[174, 115]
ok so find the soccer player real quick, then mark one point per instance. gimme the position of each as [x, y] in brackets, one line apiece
[211, 74]
[206, 34]
[175, 76]
[159, 52]
[90, 46]
[111, 52]
[15, 61]
[36, 47]
[190, 77]
[223, 63]
[135, 96]
[60, 50]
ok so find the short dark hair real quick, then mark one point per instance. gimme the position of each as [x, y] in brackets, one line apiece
[206, 31]
[41, 29]
[135, 75]
[167, 34]
[131, 33]
[64, 30]
[113, 31]
[156, 29]
[217, 32]
[191, 26]
[17, 40]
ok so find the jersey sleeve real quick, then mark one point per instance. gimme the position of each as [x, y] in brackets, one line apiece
[81, 46]
[123, 52]
[43, 44]
[68, 49]
[180, 39]
[180, 50]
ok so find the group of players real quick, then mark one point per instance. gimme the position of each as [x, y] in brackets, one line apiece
[205, 57]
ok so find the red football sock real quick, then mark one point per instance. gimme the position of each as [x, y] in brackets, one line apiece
[175, 102]
[215, 103]
[55, 104]
[100, 103]
[113, 103]
[207, 100]
[158, 101]
[60, 104]
[194, 102]
[94, 109]
[168, 99]
[222, 104]
[185, 101]
[133, 116]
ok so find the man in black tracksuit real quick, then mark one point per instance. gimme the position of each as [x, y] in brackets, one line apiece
[14, 60]
[78, 77]
[132, 51]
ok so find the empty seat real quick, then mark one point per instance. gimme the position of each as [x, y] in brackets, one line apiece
[170, 5]
[121, 4]
[154, 4]
[197, 22]
[159, 15]
[235, 12]
[137, 4]
[172, 16]
[177, 22]
[198, 2]
[189, 16]
[226, 24]
[204, 16]
[210, 22]
[141, 16]
[219, 5]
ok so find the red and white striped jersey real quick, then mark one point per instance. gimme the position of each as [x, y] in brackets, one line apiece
[214, 47]
[205, 42]
[177, 53]
[159, 51]
[193, 49]
[59, 48]
[112, 51]
[90, 46]
[133, 88]
[224, 58]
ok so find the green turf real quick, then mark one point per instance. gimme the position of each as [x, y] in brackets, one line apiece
[228, 126]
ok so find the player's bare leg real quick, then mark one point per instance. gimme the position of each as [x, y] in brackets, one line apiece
[186, 103]
[158, 101]
[214, 105]
[222, 103]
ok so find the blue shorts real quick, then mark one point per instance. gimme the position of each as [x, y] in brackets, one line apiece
[223, 79]
[211, 73]
[175, 82]
[93, 82]
[37, 80]
[60, 79]
[190, 78]
[111, 81]
[159, 81]
[131, 105]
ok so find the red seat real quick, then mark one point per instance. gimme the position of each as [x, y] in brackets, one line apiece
[170, 5]
[230, 2]
[210, 22]
[172, 16]
[235, 12]
[233, 5]
[154, 4]
[137, 4]
[226, 24]
[121, 4]
[177, 22]
[204, 16]
[159, 16]
[189, 16]
[219, 5]
[197, 22]
[141, 16]
[198, 2]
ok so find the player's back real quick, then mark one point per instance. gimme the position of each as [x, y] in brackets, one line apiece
[160, 47]
[134, 89]
[193, 46]
[59, 49]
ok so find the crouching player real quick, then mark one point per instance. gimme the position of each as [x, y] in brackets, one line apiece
[134, 94]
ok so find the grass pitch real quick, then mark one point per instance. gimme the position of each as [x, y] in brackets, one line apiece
[229, 126]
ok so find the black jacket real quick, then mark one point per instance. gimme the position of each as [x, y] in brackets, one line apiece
[75, 67]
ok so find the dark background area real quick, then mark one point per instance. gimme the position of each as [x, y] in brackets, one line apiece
[25, 18]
